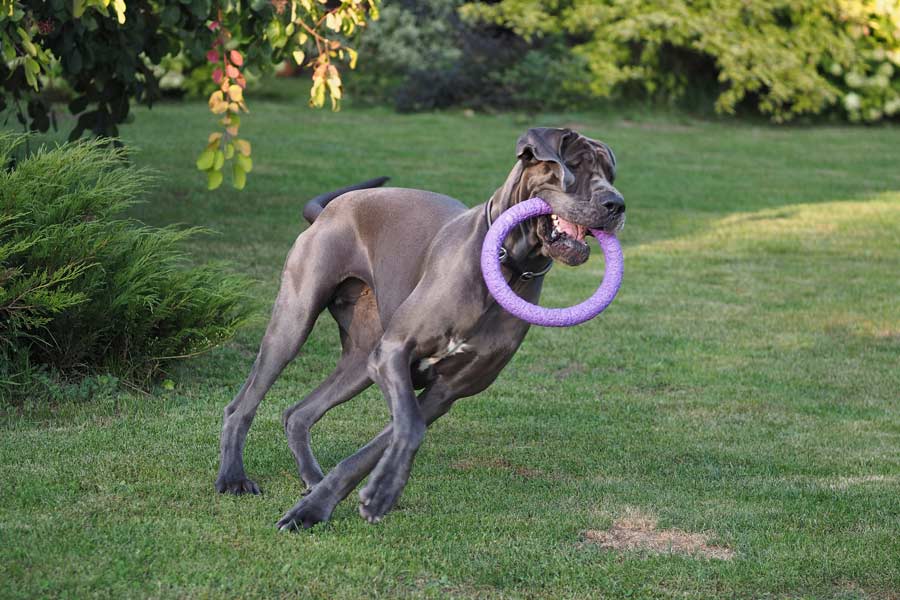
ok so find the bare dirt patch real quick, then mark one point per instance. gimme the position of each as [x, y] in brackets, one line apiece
[637, 532]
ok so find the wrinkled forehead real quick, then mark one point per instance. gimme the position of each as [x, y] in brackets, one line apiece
[580, 147]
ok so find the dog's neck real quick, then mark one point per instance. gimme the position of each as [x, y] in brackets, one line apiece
[522, 243]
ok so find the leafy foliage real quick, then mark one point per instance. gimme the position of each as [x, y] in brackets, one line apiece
[110, 51]
[546, 78]
[229, 102]
[785, 57]
[82, 290]
[410, 37]
[422, 56]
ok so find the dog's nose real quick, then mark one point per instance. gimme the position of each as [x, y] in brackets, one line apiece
[613, 202]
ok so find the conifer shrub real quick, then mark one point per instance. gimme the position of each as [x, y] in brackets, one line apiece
[85, 290]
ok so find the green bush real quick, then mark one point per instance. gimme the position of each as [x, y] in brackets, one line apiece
[784, 58]
[549, 78]
[422, 56]
[409, 36]
[83, 290]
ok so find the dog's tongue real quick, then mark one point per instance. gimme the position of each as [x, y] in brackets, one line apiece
[572, 230]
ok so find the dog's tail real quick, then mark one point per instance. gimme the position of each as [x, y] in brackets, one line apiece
[317, 204]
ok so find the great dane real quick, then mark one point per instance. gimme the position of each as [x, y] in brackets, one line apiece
[399, 271]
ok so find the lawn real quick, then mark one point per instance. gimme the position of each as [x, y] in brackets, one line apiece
[743, 386]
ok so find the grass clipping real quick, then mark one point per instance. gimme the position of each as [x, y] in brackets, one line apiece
[637, 532]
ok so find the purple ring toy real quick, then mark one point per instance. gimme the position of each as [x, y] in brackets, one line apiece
[534, 314]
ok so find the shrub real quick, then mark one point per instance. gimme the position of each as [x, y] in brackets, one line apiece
[411, 36]
[546, 79]
[83, 290]
[422, 56]
[471, 81]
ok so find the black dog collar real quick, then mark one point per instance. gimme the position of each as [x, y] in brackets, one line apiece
[506, 258]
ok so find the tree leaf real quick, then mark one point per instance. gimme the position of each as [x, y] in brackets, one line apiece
[119, 6]
[215, 98]
[238, 177]
[244, 161]
[333, 21]
[31, 68]
[214, 179]
[206, 159]
[242, 146]
[317, 93]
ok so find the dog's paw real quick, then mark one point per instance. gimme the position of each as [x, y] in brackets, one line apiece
[304, 515]
[379, 496]
[237, 487]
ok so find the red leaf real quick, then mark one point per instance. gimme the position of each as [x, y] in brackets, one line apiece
[232, 71]
[217, 75]
[236, 58]
[214, 26]
[212, 56]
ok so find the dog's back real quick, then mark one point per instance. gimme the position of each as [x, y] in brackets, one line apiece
[380, 237]
[315, 206]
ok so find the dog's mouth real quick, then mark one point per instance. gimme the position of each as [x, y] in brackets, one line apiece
[563, 240]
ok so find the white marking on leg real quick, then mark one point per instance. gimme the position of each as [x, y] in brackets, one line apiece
[454, 346]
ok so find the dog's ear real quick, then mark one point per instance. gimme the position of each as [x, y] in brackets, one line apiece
[546, 144]
[608, 156]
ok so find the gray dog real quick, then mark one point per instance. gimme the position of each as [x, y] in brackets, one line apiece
[399, 270]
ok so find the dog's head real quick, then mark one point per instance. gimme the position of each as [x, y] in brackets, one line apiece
[574, 175]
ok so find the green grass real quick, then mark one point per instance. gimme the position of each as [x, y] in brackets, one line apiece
[744, 384]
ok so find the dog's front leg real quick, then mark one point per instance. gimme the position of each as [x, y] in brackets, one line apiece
[389, 368]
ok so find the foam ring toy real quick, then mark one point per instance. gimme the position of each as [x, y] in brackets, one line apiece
[532, 313]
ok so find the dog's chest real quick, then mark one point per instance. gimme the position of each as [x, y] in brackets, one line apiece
[454, 346]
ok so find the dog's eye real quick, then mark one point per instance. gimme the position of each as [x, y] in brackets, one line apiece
[575, 164]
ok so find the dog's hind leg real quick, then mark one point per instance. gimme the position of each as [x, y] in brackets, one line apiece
[355, 310]
[285, 334]
[303, 295]
[347, 380]
[317, 506]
